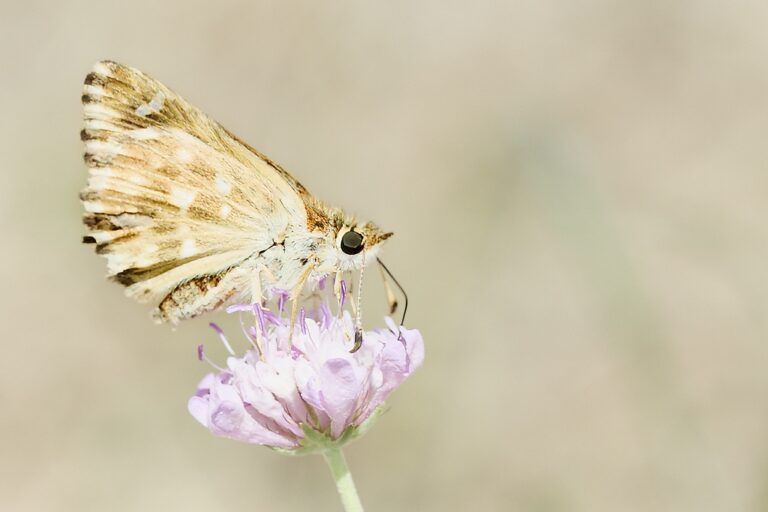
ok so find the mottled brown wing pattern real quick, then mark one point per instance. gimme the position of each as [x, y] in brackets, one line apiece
[174, 201]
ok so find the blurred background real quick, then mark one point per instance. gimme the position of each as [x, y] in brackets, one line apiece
[578, 191]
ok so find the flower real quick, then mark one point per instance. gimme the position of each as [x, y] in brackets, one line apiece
[308, 393]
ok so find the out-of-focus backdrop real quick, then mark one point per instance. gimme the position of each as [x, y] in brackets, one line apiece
[578, 191]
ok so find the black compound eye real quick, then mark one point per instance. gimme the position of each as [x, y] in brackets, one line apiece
[352, 242]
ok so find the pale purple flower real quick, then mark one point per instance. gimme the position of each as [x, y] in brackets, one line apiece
[309, 392]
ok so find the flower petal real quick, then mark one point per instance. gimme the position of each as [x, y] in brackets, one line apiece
[340, 388]
[308, 383]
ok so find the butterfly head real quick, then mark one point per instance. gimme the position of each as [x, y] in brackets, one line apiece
[356, 243]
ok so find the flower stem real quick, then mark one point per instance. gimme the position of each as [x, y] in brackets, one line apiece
[344, 484]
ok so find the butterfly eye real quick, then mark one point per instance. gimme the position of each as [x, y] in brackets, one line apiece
[352, 242]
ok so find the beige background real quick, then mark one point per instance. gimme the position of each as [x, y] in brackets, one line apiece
[579, 195]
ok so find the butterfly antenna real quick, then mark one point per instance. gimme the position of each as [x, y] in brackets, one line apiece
[402, 290]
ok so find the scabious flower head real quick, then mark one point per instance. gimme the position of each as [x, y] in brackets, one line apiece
[309, 392]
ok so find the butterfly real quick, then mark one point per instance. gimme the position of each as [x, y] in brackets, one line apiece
[191, 218]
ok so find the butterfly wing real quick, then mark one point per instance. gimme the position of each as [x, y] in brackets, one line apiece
[174, 201]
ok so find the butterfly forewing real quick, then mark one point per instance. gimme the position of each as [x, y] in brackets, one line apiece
[174, 201]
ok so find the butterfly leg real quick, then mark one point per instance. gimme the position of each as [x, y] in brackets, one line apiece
[337, 289]
[256, 294]
[295, 294]
[391, 299]
[260, 276]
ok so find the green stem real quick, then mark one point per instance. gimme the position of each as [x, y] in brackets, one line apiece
[343, 478]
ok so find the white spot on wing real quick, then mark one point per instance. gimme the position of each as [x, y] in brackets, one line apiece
[223, 185]
[127, 220]
[143, 261]
[147, 256]
[138, 179]
[155, 105]
[157, 102]
[183, 155]
[98, 183]
[182, 197]
[98, 111]
[105, 236]
[102, 69]
[93, 90]
[144, 133]
[103, 171]
[224, 211]
[93, 206]
[188, 248]
[104, 150]
[116, 262]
